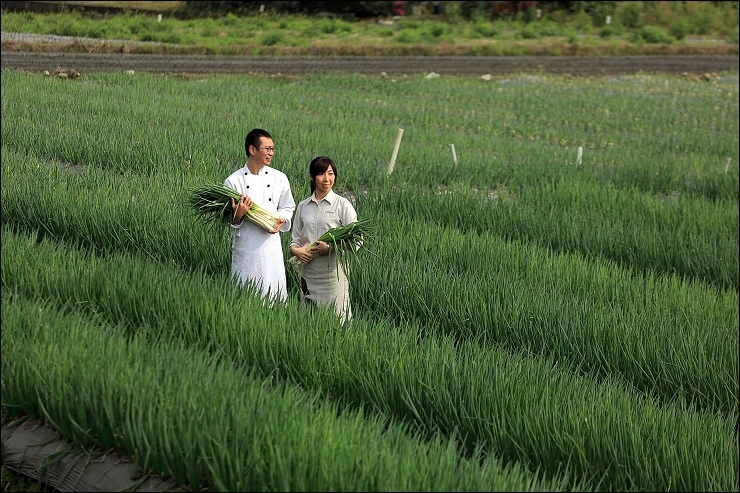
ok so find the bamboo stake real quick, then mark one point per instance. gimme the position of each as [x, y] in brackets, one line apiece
[454, 156]
[395, 151]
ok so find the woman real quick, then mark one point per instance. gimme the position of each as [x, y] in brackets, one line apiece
[323, 282]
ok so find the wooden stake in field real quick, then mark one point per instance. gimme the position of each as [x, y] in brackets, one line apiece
[579, 156]
[454, 155]
[395, 151]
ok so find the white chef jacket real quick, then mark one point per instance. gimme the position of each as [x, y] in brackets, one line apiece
[256, 255]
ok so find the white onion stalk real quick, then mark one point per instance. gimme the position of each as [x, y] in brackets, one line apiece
[213, 204]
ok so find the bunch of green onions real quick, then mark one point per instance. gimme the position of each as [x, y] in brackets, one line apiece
[345, 240]
[212, 203]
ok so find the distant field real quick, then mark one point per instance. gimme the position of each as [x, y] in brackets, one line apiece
[156, 6]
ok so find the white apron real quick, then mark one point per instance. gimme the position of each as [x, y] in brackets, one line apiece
[256, 255]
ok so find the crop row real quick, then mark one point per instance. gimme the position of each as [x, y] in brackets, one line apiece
[662, 335]
[659, 135]
[204, 421]
[540, 323]
[521, 408]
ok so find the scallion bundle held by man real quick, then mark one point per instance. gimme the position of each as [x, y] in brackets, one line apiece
[212, 204]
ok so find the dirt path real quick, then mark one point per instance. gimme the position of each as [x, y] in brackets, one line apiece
[392, 66]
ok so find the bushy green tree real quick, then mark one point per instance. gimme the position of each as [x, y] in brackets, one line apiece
[629, 14]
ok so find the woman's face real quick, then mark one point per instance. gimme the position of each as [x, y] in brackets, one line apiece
[324, 181]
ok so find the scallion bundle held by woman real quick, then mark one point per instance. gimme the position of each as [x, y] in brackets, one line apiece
[212, 203]
[344, 240]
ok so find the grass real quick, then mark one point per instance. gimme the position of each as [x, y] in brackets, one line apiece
[395, 370]
[274, 34]
[163, 6]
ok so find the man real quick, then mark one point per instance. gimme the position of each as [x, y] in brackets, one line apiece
[257, 254]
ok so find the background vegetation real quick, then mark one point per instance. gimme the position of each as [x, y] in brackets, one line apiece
[572, 28]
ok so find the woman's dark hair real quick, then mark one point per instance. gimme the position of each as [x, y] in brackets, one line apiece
[253, 139]
[319, 165]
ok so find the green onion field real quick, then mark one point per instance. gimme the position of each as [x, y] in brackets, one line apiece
[554, 310]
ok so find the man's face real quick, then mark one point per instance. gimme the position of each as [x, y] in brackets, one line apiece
[265, 151]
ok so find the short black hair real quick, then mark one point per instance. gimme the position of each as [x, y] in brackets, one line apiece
[253, 138]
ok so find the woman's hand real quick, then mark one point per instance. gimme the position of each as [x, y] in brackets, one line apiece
[323, 248]
[305, 253]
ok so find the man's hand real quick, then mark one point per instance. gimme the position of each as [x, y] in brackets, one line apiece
[280, 223]
[245, 202]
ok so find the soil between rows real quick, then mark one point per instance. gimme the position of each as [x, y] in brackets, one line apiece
[391, 66]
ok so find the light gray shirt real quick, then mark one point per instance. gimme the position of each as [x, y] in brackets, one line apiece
[312, 218]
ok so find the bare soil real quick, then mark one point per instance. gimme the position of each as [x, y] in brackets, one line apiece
[392, 66]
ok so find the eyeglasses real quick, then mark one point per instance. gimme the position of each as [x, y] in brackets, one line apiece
[268, 149]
